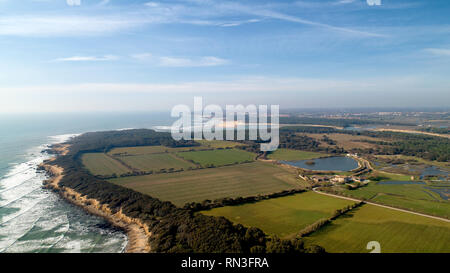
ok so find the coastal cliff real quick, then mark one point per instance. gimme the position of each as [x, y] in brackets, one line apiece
[152, 225]
[137, 232]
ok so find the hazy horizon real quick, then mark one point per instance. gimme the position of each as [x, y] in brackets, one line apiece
[141, 55]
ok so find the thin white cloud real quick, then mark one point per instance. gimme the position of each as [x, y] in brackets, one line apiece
[345, 1]
[152, 4]
[249, 84]
[264, 12]
[165, 61]
[287, 92]
[142, 56]
[104, 2]
[439, 51]
[87, 58]
[73, 2]
[238, 23]
[187, 62]
[169, 61]
[64, 25]
[202, 13]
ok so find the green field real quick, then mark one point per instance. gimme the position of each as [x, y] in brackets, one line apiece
[396, 231]
[156, 162]
[284, 216]
[102, 164]
[386, 176]
[293, 155]
[408, 196]
[213, 183]
[218, 143]
[142, 150]
[444, 165]
[218, 157]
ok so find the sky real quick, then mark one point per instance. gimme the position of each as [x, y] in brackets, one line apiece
[117, 55]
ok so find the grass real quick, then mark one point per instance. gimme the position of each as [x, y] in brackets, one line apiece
[284, 216]
[425, 206]
[218, 143]
[415, 191]
[385, 176]
[102, 164]
[347, 141]
[444, 165]
[413, 197]
[293, 155]
[214, 183]
[217, 157]
[142, 150]
[156, 162]
[396, 231]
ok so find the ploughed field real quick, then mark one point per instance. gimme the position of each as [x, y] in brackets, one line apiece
[141, 150]
[156, 162]
[396, 231]
[283, 216]
[191, 174]
[218, 169]
[105, 164]
[241, 180]
[102, 164]
[125, 160]
[217, 157]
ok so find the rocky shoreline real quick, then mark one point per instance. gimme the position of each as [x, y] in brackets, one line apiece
[138, 233]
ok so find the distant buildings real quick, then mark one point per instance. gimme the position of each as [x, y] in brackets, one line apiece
[335, 179]
[341, 179]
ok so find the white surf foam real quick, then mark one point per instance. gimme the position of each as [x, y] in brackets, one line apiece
[36, 220]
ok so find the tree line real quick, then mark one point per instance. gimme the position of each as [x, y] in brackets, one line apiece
[389, 143]
[174, 230]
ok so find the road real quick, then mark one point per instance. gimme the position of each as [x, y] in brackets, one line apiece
[383, 206]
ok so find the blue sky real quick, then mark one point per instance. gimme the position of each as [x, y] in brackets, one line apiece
[98, 55]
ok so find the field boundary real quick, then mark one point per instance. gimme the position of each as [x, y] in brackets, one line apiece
[122, 162]
[199, 185]
[230, 202]
[383, 206]
[316, 226]
[212, 165]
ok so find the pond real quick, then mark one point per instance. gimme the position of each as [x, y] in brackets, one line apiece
[434, 171]
[420, 170]
[336, 163]
[360, 128]
[444, 193]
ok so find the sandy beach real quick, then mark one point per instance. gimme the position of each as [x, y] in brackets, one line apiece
[137, 232]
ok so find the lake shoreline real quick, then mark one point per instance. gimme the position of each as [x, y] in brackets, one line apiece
[137, 233]
[320, 171]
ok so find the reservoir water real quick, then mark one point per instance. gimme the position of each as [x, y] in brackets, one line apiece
[336, 163]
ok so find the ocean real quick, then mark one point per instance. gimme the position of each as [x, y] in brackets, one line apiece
[33, 219]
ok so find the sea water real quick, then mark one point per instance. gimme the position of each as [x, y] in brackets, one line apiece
[33, 219]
